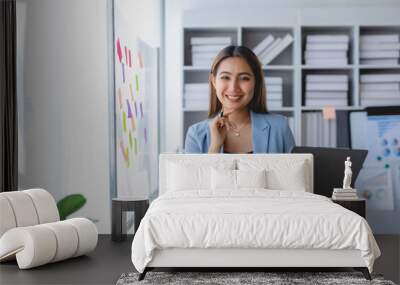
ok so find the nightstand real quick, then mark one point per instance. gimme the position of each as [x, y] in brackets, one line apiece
[118, 220]
[357, 206]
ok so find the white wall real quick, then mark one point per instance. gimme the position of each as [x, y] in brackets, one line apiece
[65, 95]
[63, 89]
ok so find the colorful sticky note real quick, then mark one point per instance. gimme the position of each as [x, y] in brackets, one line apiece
[130, 140]
[141, 110]
[124, 152]
[126, 56]
[129, 109]
[123, 73]
[329, 113]
[137, 82]
[121, 146]
[119, 51]
[133, 124]
[124, 121]
[131, 90]
[120, 97]
[135, 109]
[127, 156]
[140, 60]
[135, 145]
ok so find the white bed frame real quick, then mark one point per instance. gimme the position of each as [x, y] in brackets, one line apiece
[234, 257]
[242, 258]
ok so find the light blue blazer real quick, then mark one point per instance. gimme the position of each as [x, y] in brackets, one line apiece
[270, 134]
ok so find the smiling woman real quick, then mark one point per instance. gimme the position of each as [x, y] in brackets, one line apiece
[238, 118]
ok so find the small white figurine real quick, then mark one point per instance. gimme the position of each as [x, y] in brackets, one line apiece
[347, 174]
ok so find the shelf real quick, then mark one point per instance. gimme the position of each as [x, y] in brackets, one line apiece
[206, 32]
[328, 31]
[283, 109]
[252, 36]
[278, 67]
[379, 66]
[350, 66]
[185, 109]
[198, 68]
[348, 108]
[291, 66]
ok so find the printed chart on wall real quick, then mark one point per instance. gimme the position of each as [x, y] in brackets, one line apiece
[135, 114]
[379, 179]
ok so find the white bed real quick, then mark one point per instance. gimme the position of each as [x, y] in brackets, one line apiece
[219, 211]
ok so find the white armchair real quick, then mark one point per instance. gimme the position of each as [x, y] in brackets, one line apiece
[31, 230]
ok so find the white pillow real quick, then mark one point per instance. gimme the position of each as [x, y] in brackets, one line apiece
[187, 175]
[282, 174]
[237, 179]
[285, 179]
[223, 179]
[251, 178]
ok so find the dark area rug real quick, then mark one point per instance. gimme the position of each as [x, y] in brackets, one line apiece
[228, 278]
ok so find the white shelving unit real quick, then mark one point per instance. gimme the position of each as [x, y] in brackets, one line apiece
[290, 64]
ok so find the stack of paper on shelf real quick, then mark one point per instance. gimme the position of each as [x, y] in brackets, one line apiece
[380, 49]
[274, 90]
[344, 194]
[270, 47]
[196, 96]
[316, 131]
[329, 50]
[204, 49]
[380, 89]
[326, 90]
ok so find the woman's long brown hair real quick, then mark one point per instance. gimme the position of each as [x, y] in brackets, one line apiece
[257, 103]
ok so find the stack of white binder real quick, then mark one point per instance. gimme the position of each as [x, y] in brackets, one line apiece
[344, 194]
[204, 49]
[328, 50]
[326, 90]
[380, 89]
[274, 90]
[317, 131]
[270, 47]
[380, 49]
[196, 96]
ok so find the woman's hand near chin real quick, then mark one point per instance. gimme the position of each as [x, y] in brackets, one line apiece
[219, 127]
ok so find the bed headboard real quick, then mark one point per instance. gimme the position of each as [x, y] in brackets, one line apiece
[212, 159]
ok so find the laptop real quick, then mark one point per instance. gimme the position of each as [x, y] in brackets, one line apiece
[329, 166]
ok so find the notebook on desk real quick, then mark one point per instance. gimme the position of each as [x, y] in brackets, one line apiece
[329, 166]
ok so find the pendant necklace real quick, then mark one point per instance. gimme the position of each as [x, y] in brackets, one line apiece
[236, 131]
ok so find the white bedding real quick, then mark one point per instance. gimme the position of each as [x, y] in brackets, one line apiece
[251, 218]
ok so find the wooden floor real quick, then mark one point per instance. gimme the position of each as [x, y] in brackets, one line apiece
[103, 266]
[110, 260]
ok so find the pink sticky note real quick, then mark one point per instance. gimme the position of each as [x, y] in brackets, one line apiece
[119, 51]
[126, 56]
[329, 113]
